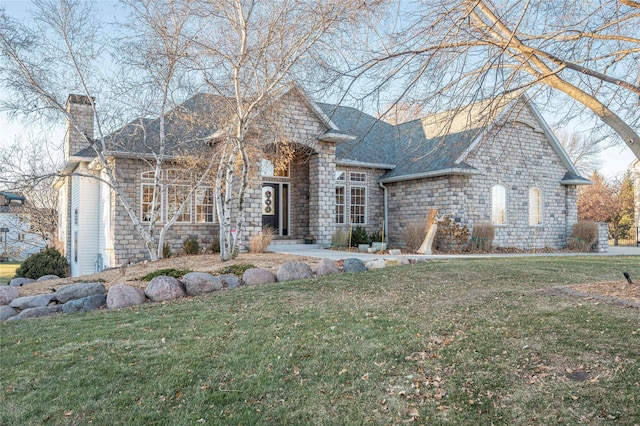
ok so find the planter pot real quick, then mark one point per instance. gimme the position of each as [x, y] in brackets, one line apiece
[363, 248]
[379, 246]
[308, 240]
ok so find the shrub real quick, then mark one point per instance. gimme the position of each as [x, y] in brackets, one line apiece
[584, 236]
[340, 239]
[375, 237]
[48, 262]
[166, 251]
[215, 245]
[259, 243]
[191, 245]
[170, 272]
[413, 234]
[359, 236]
[482, 236]
[236, 269]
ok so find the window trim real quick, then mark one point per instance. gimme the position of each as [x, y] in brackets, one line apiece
[212, 205]
[364, 205]
[343, 204]
[188, 207]
[143, 216]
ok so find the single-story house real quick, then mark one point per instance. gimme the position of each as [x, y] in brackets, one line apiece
[494, 161]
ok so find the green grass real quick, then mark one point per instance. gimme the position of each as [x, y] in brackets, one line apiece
[443, 342]
[8, 271]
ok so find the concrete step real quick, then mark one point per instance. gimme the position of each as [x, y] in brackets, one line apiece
[291, 246]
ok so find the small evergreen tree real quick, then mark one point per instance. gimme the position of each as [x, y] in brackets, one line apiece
[48, 262]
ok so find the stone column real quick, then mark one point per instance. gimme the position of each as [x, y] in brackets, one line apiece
[571, 210]
[322, 201]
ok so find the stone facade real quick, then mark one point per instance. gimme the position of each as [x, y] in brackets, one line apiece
[516, 155]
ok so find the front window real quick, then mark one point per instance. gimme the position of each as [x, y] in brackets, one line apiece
[147, 197]
[358, 204]
[535, 207]
[498, 205]
[178, 199]
[204, 205]
[340, 203]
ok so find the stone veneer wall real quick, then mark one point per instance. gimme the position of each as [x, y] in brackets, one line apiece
[128, 245]
[516, 155]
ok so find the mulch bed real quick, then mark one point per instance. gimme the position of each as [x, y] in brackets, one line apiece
[615, 292]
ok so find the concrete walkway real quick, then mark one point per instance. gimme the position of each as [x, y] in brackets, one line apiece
[313, 250]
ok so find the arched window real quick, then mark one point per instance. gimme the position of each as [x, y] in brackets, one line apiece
[535, 207]
[498, 205]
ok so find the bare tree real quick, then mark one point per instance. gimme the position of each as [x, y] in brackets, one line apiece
[63, 51]
[584, 150]
[455, 52]
[248, 52]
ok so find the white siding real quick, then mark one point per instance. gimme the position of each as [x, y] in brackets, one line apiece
[105, 237]
[85, 220]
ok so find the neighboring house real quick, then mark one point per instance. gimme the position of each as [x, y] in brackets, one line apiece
[17, 242]
[493, 161]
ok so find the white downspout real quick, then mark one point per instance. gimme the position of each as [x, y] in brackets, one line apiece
[386, 213]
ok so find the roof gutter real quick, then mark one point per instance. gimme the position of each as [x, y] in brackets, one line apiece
[435, 173]
[576, 182]
[354, 163]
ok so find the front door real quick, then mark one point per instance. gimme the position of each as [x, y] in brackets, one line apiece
[275, 207]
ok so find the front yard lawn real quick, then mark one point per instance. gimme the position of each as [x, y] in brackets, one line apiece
[8, 271]
[478, 341]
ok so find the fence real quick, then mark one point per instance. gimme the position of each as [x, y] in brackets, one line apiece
[633, 241]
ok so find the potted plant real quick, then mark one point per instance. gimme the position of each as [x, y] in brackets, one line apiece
[377, 242]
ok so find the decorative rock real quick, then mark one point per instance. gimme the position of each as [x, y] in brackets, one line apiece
[353, 265]
[42, 311]
[230, 281]
[48, 278]
[7, 294]
[79, 291]
[327, 267]
[256, 276]
[404, 261]
[395, 252]
[164, 288]
[27, 302]
[375, 264]
[19, 282]
[85, 304]
[7, 312]
[290, 271]
[121, 296]
[196, 283]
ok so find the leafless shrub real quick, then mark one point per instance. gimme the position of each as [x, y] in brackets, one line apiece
[584, 236]
[482, 236]
[413, 234]
[259, 243]
[340, 239]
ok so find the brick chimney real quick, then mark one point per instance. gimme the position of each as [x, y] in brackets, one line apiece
[79, 107]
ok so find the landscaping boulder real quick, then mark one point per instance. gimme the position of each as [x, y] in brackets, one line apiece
[7, 294]
[121, 296]
[164, 288]
[353, 265]
[7, 312]
[85, 304]
[79, 291]
[19, 282]
[27, 302]
[196, 283]
[392, 262]
[290, 271]
[48, 278]
[375, 264]
[230, 281]
[256, 276]
[42, 311]
[327, 267]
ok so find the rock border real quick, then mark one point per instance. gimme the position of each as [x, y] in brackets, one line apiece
[88, 296]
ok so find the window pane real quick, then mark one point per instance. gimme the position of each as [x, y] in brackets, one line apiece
[176, 196]
[498, 205]
[357, 177]
[204, 205]
[535, 207]
[358, 204]
[340, 203]
[147, 203]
